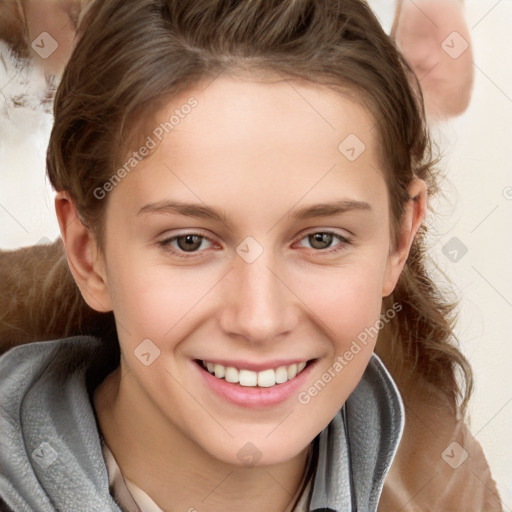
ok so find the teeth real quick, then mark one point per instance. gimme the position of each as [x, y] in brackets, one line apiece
[248, 378]
[267, 378]
[219, 371]
[232, 375]
[264, 379]
[292, 371]
[281, 375]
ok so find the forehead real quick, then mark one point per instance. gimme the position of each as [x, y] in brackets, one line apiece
[283, 110]
[279, 139]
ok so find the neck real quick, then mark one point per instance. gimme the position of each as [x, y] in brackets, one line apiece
[176, 473]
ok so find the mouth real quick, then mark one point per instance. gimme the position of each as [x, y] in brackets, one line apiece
[251, 385]
[244, 377]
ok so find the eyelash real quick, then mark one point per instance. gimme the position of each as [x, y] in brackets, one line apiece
[344, 241]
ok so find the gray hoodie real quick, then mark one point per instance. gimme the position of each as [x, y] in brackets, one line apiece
[50, 450]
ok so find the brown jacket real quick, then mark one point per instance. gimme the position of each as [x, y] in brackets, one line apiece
[439, 466]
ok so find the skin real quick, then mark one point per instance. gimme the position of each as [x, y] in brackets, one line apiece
[57, 18]
[256, 151]
[420, 29]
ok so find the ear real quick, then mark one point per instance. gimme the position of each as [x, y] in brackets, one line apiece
[85, 260]
[413, 217]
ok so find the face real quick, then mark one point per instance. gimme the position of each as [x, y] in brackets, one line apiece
[255, 238]
[435, 40]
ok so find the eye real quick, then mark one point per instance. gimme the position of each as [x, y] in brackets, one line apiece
[322, 241]
[186, 243]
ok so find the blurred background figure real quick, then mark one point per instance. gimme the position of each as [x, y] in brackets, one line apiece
[434, 38]
[23, 21]
[469, 106]
[36, 40]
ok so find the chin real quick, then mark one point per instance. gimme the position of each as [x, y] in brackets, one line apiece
[258, 452]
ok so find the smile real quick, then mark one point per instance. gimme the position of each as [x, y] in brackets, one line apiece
[248, 378]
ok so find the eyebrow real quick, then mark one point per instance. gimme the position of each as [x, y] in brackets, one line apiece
[205, 212]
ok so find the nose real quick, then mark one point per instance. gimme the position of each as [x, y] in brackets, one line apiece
[260, 303]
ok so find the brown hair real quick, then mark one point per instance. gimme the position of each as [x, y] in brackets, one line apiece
[135, 54]
[13, 27]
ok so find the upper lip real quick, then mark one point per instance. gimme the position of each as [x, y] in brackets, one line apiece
[256, 367]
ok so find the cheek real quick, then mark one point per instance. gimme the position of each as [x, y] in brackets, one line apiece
[150, 301]
[349, 310]
[346, 300]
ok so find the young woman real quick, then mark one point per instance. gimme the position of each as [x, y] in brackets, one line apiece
[242, 187]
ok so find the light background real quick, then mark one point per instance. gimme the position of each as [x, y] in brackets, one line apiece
[477, 209]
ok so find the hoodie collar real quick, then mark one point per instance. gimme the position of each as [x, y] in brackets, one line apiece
[359, 444]
[50, 450]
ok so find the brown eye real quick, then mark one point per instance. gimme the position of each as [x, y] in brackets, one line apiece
[324, 242]
[189, 243]
[320, 240]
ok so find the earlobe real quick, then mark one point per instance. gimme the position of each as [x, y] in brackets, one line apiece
[414, 215]
[85, 260]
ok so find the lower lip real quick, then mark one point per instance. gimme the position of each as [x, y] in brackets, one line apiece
[254, 397]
